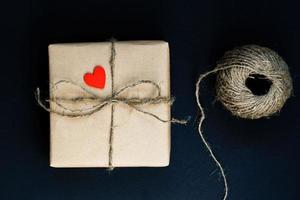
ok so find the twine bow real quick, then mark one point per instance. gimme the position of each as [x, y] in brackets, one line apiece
[115, 98]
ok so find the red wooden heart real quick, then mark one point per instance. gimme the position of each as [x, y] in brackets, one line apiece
[96, 79]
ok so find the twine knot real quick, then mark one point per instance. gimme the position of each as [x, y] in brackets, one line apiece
[65, 110]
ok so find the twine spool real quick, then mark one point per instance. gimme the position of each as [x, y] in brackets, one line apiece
[260, 64]
[234, 71]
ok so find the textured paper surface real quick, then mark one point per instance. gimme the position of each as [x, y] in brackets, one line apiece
[139, 140]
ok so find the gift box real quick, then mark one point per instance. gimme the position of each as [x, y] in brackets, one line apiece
[110, 104]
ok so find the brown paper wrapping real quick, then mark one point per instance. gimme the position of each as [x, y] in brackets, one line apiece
[139, 140]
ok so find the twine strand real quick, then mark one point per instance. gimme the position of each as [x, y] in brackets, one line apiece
[202, 118]
[111, 130]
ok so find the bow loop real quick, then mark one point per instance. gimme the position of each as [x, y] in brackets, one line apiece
[142, 89]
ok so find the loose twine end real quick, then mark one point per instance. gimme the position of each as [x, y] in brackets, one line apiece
[37, 95]
[181, 121]
[110, 169]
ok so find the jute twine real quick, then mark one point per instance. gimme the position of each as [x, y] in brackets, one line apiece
[233, 70]
[100, 103]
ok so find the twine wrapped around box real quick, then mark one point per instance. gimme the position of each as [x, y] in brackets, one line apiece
[111, 100]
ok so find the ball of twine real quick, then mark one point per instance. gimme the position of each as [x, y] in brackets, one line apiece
[234, 69]
[249, 62]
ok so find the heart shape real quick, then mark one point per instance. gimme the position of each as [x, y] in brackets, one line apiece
[96, 79]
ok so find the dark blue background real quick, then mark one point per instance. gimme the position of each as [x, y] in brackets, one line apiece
[260, 157]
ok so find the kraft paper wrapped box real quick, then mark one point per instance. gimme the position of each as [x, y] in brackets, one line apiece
[98, 128]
